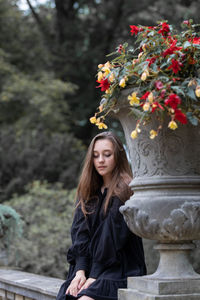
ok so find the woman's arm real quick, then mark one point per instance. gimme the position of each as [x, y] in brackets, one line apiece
[78, 253]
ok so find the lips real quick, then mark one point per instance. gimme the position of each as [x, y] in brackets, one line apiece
[101, 167]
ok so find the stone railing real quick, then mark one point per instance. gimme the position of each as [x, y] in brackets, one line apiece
[17, 285]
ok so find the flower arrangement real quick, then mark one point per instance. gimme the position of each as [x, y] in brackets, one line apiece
[163, 68]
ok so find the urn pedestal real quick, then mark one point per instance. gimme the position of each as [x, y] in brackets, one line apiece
[165, 207]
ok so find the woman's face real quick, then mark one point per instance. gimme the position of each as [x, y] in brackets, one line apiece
[104, 161]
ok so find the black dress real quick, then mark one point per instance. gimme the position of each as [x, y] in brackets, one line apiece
[105, 248]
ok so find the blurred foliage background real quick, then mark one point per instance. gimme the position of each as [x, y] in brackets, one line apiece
[48, 60]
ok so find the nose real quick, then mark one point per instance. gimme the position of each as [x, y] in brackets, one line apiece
[101, 158]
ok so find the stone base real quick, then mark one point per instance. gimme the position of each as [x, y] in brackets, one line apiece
[147, 288]
[129, 294]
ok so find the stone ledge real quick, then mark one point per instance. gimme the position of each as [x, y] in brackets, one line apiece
[19, 285]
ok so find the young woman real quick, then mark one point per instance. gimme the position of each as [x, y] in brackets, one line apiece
[104, 251]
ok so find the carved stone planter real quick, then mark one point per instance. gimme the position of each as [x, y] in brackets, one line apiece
[165, 206]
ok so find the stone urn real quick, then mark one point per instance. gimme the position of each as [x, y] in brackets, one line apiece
[165, 205]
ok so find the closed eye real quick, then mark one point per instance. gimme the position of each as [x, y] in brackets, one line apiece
[107, 155]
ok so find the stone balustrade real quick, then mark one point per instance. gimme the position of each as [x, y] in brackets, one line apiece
[17, 285]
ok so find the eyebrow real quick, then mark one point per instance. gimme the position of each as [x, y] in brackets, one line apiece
[103, 150]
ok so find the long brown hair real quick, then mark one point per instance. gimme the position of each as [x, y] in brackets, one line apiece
[90, 181]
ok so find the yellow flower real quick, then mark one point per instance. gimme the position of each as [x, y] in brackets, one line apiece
[108, 91]
[107, 65]
[112, 77]
[143, 76]
[172, 125]
[100, 76]
[93, 120]
[151, 97]
[106, 68]
[197, 91]
[122, 82]
[133, 99]
[140, 54]
[101, 125]
[153, 134]
[134, 134]
[100, 66]
[146, 106]
[106, 71]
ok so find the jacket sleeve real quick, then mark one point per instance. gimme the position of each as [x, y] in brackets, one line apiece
[78, 253]
[109, 239]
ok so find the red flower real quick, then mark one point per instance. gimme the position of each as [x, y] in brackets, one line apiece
[172, 40]
[173, 100]
[175, 79]
[145, 95]
[172, 48]
[155, 105]
[165, 29]
[104, 84]
[162, 94]
[196, 40]
[180, 116]
[120, 48]
[175, 66]
[134, 29]
[187, 22]
[151, 60]
[159, 85]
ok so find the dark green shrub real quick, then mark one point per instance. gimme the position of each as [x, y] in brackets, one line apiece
[47, 213]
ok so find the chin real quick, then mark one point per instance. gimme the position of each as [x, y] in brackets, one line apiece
[102, 173]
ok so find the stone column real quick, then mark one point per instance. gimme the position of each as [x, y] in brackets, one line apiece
[165, 207]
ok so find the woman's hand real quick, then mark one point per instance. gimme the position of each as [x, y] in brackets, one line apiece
[87, 283]
[76, 284]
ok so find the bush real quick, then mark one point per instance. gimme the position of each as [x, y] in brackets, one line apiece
[47, 213]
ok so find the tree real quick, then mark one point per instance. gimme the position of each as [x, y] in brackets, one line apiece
[36, 142]
[85, 31]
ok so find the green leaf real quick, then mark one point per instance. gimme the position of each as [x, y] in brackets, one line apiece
[178, 90]
[154, 67]
[141, 67]
[164, 65]
[191, 94]
[110, 54]
[193, 120]
[164, 78]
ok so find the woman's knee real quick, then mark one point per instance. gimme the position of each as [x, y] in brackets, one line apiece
[85, 298]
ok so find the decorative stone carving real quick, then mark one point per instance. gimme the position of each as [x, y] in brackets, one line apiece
[181, 224]
[170, 153]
